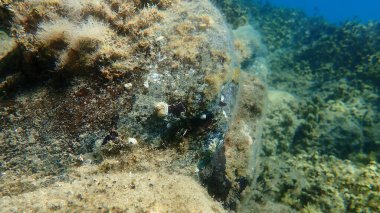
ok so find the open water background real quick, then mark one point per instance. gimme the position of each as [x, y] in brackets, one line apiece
[335, 11]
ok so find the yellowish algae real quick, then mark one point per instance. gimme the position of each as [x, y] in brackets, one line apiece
[116, 192]
[142, 180]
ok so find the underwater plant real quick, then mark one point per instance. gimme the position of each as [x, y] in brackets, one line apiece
[81, 35]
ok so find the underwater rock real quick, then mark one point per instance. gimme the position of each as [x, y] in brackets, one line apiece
[8, 62]
[167, 53]
[235, 162]
[280, 123]
[4, 14]
[307, 180]
[78, 57]
[310, 182]
[8, 45]
[248, 44]
[118, 192]
[101, 75]
[320, 138]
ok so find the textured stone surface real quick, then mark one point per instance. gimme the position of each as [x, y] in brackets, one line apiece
[97, 74]
[183, 57]
[235, 162]
[118, 192]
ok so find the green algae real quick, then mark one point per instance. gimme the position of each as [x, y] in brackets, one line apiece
[234, 11]
[324, 104]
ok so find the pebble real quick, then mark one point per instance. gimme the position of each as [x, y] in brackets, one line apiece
[128, 85]
[161, 109]
[132, 141]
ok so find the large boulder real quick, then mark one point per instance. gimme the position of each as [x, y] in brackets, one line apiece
[105, 78]
[96, 71]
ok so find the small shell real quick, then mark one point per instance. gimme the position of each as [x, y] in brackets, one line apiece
[128, 85]
[203, 117]
[132, 141]
[161, 109]
[160, 38]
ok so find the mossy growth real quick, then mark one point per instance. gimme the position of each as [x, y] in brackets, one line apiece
[322, 183]
[319, 144]
[85, 36]
[234, 10]
[338, 63]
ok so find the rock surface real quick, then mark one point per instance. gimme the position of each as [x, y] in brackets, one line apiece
[117, 192]
[93, 73]
[72, 95]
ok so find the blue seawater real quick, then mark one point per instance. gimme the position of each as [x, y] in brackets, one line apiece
[335, 11]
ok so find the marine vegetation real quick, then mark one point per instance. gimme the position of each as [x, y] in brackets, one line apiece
[175, 105]
[107, 36]
[321, 137]
[234, 11]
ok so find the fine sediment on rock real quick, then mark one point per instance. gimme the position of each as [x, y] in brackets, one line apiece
[117, 192]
